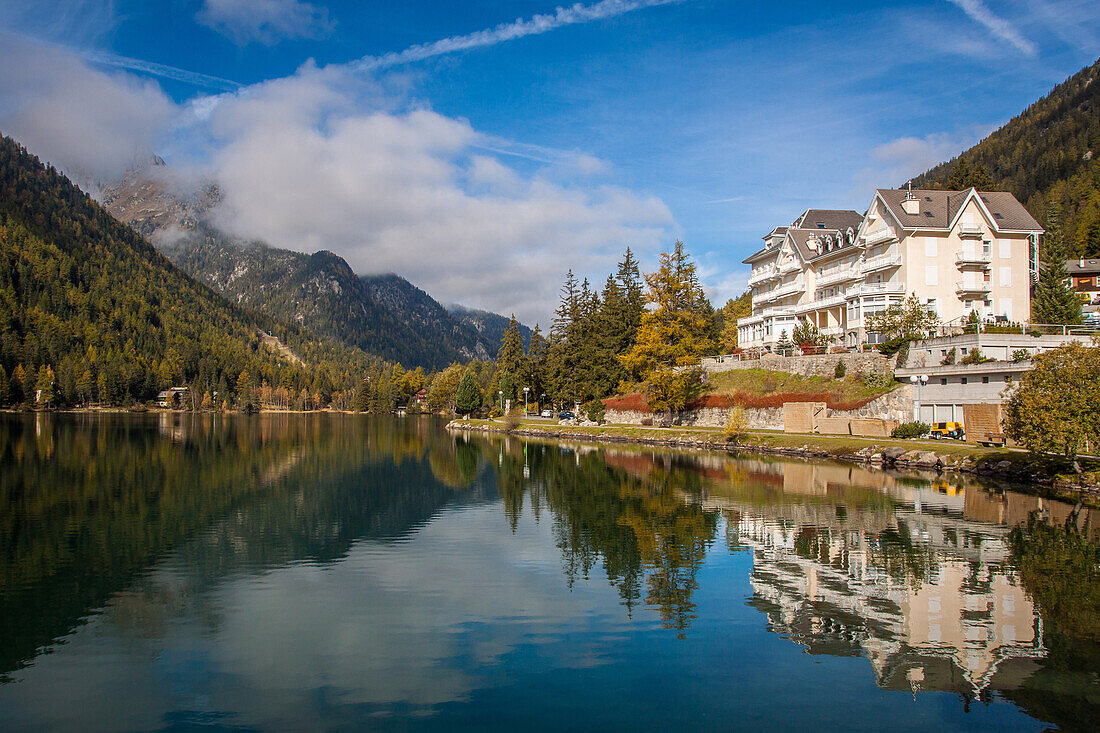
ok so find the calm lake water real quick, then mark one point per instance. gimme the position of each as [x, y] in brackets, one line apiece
[338, 572]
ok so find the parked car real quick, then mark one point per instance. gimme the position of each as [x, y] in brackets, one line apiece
[566, 415]
[546, 413]
[946, 430]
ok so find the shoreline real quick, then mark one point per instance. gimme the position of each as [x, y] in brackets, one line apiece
[1017, 467]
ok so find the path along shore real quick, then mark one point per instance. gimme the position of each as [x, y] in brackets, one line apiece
[1046, 476]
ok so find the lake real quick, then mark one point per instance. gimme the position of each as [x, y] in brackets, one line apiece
[318, 572]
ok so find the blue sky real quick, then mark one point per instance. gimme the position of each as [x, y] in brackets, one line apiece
[481, 148]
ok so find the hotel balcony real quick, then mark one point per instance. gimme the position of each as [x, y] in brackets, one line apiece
[789, 267]
[778, 312]
[880, 288]
[882, 262]
[762, 274]
[970, 231]
[821, 304]
[791, 288]
[880, 235]
[839, 276]
[976, 287]
[973, 259]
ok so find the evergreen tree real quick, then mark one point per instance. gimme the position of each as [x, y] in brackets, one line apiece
[537, 355]
[361, 401]
[468, 395]
[511, 361]
[964, 176]
[561, 369]
[1054, 301]
[4, 388]
[674, 335]
[15, 391]
[44, 385]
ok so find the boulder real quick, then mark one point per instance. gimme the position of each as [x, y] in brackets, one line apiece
[892, 454]
[928, 458]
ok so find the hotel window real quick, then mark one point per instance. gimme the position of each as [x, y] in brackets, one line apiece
[943, 381]
[962, 381]
[985, 380]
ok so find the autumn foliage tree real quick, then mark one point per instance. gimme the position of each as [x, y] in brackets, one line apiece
[1056, 407]
[677, 330]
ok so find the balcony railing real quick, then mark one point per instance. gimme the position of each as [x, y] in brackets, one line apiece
[838, 276]
[883, 261]
[975, 287]
[797, 286]
[879, 235]
[789, 267]
[970, 230]
[980, 259]
[761, 274]
[821, 303]
[879, 288]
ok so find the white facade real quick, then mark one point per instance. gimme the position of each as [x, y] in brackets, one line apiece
[958, 251]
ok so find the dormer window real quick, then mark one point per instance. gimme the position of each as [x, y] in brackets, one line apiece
[820, 225]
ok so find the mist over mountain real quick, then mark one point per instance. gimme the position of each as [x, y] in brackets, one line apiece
[384, 315]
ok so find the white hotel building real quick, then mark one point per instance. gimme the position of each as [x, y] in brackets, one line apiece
[958, 251]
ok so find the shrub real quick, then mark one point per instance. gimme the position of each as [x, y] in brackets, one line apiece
[737, 425]
[594, 411]
[892, 346]
[874, 380]
[841, 370]
[769, 384]
[910, 430]
[1021, 355]
[950, 357]
[975, 357]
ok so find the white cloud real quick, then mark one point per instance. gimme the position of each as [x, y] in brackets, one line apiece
[90, 124]
[265, 21]
[409, 191]
[536, 24]
[980, 13]
[897, 161]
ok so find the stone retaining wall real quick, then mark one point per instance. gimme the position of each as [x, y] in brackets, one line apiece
[894, 405]
[820, 365]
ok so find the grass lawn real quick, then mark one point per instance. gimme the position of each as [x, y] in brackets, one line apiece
[766, 388]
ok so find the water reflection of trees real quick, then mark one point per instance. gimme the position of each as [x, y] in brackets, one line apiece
[648, 541]
[92, 501]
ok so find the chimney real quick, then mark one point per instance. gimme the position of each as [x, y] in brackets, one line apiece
[911, 204]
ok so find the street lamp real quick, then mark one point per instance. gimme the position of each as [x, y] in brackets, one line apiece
[919, 381]
[500, 392]
[526, 411]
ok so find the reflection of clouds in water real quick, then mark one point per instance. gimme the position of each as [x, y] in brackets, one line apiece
[412, 624]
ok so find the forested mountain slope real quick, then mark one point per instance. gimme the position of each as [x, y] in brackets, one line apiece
[1048, 154]
[88, 302]
[381, 314]
[490, 325]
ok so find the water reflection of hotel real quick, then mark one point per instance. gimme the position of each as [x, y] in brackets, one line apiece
[915, 584]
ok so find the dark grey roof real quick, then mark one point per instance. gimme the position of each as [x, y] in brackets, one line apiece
[836, 219]
[1082, 267]
[759, 253]
[938, 209]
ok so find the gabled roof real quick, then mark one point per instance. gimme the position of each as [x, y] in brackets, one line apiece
[759, 254]
[939, 209]
[836, 219]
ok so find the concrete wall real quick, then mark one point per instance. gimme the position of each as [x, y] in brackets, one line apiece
[821, 365]
[999, 346]
[801, 417]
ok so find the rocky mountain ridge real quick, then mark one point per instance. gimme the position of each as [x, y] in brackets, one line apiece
[382, 314]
